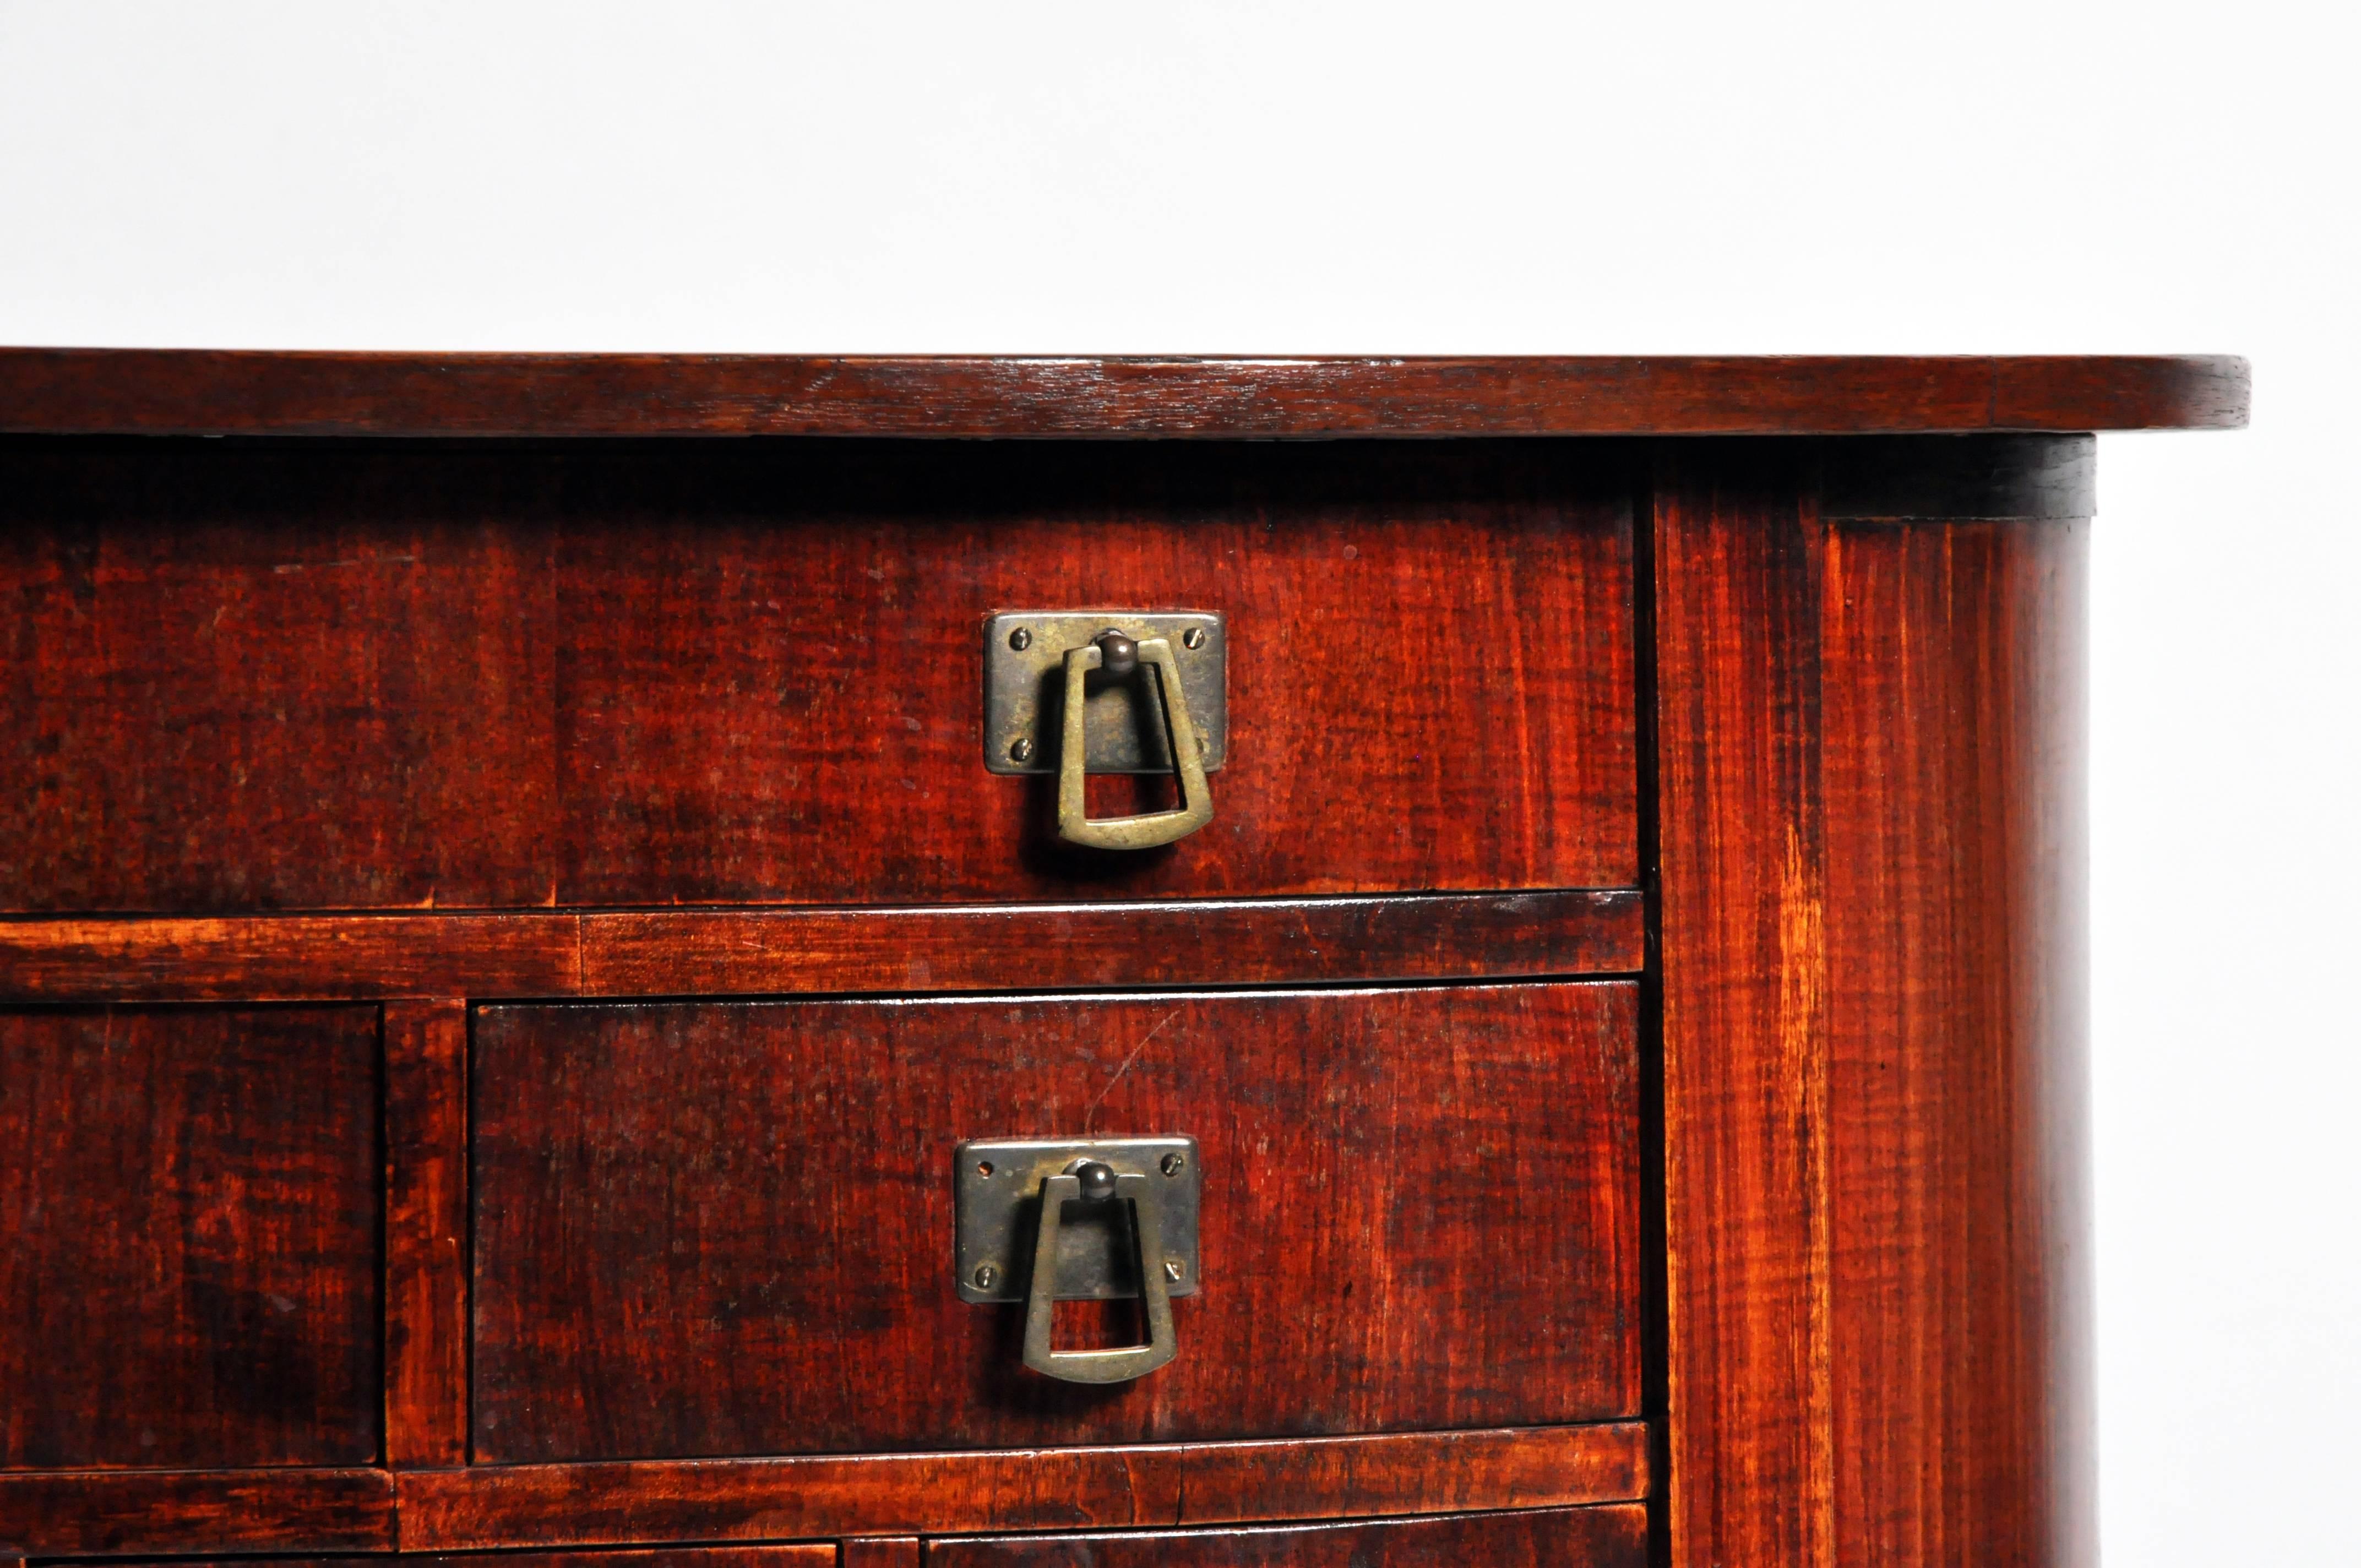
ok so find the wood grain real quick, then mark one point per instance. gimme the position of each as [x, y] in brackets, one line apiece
[725, 1228]
[880, 1551]
[276, 678]
[425, 1233]
[1441, 936]
[1752, 1472]
[1555, 1538]
[658, 673]
[188, 1237]
[1057, 1488]
[290, 958]
[1957, 1075]
[1871, 848]
[121, 1513]
[284, 958]
[151, 391]
[808, 1554]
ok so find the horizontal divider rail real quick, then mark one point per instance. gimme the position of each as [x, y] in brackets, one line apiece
[642, 1502]
[1125, 1486]
[720, 952]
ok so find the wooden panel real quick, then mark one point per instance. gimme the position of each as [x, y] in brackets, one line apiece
[1556, 1537]
[272, 678]
[188, 1212]
[1747, 1198]
[978, 947]
[159, 391]
[290, 958]
[1872, 853]
[1065, 1488]
[659, 672]
[426, 1233]
[114, 1513]
[880, 1551]
[1429, 670]
[1242, 943]
[809, 1554]
[1952, 703]
[726, 1228]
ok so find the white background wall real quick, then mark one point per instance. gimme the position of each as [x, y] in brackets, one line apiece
[1714, 178]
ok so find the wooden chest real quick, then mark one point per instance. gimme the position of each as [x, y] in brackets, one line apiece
[766, 962]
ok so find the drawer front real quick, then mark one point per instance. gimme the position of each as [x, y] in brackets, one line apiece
[188, 1237]
[706, 1229]
[258, 677]
[810, 1554]
[1549, 1538]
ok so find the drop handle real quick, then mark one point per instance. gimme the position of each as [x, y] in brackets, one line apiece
[1092, 1181]
[1123, 658]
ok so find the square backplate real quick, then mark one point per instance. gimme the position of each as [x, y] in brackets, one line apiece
[998, 1186]
[1024, 691]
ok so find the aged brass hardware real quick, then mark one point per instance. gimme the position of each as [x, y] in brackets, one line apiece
[1124, 728]
[1044, 1221]
[1121, 657]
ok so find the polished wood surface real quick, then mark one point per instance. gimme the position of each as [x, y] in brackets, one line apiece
[724, 1228]
[747, 951]
[500, 933]
[1873, 851]
[188, 1237]
[152, 391]
[425, 1233]
[121, 1513]
[664, 673]
[290, 958]
[1130, 1487]
[804, 1554]
[880, 1551]
[1557, 1538]
[1263, 941]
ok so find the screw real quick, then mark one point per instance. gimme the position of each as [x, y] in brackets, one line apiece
[1194, 638]
[1020, 640]
[1174, 1268]
[1174, 1164]
[985, 1276]
[1021, 752]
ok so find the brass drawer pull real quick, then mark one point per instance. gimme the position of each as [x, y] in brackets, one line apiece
[1092, 1181]
[1133, 1234]
[1123, 658]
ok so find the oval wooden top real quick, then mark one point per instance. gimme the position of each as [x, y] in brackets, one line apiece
[211, 392]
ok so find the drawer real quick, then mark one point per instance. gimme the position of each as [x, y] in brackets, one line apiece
[810, 1554]
[722, 1229]
[188, 1237]
[249, 676]
[1542, 1537]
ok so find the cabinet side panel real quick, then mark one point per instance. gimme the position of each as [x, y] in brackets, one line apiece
[1952, 763]
[1873, 892]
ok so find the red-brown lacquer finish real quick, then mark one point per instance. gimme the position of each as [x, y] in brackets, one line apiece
[188, 1237]
[1873, 1023]
[406, 675]
[727, 1228]
[1572, 1538]
[1135, 1486]
[177, 391]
